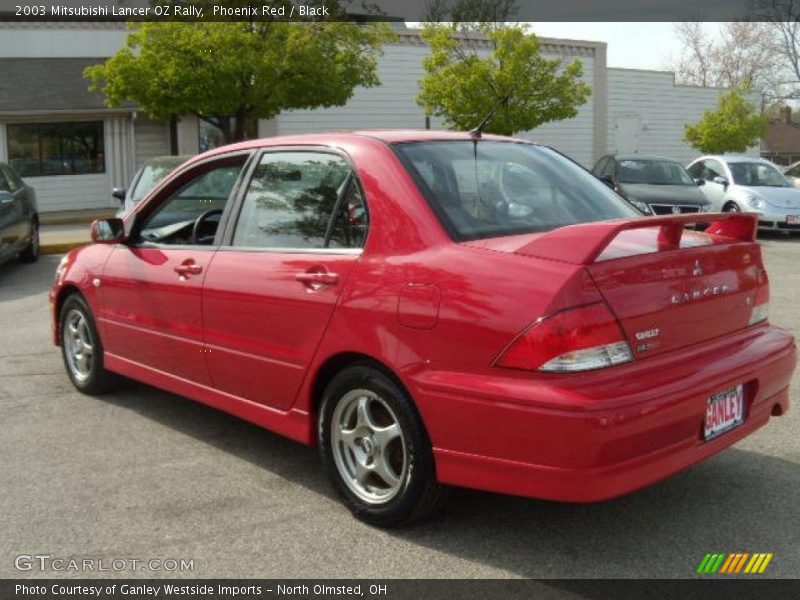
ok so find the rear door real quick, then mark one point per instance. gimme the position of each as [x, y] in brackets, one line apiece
[272, 288]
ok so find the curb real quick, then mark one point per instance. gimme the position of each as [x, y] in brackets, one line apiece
[60, 248]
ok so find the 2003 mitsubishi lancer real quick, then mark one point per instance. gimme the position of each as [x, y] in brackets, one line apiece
[433, 309]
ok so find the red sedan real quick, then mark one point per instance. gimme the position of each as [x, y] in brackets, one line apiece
[433, 309]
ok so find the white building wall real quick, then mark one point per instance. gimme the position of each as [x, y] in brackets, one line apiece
[647, 112]
[152, 139]
[72, 192]
[393, 106]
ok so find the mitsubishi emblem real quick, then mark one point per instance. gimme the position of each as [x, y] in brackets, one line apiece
[698, 270]
[676, 210]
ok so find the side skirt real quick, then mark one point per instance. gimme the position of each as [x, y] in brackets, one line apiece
[293, 424]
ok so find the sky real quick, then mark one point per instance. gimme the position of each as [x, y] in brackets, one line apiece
[630, 45]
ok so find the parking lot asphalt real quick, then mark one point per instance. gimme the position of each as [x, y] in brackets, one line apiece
[143, 474]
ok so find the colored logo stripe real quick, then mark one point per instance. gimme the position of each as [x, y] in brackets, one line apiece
[734, 563]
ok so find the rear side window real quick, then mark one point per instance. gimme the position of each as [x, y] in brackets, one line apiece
[302, 200]
[482, 189]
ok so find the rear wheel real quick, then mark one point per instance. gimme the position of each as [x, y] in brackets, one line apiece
[376, 450]
[31, 252]
[81, 347]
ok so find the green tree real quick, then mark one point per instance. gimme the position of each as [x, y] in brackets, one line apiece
[248, 70]
[733, 127]
[522, 87]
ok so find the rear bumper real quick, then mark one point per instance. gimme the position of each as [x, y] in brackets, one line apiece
[594, 436]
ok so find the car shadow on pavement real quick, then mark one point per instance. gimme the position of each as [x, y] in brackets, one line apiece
[739, 501]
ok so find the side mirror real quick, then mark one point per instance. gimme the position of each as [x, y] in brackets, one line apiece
[720, 180]
[107, 231]
[5, 196]
[119, 194]
[699, 182]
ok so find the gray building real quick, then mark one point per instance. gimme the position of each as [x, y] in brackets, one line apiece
[47, 113]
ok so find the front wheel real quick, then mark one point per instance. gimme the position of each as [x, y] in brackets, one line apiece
[376, 450]
[731, 207]
[81, 347]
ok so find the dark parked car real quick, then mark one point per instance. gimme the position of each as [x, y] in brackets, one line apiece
[654, 185]
[19, 221]
[146, 178]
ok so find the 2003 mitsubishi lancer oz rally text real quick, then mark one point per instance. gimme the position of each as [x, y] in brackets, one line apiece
[433, 309]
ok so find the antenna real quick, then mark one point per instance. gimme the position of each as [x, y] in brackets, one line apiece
[479, 129]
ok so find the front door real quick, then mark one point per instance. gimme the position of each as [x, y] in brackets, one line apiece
[271, 290]
[151, 289]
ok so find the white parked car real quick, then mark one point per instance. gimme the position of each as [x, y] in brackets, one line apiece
[744, 183]
[792, 173]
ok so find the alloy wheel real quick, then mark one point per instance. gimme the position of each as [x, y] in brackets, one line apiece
[369, 448]
[78, 345]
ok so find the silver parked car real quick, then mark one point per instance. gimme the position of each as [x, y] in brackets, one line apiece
[145, 179]
[792, 173]
[744, 183]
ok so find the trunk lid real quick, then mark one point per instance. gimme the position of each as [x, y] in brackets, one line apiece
[668, 286]
[673, 299]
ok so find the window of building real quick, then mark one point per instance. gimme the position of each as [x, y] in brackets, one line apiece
[37, 149]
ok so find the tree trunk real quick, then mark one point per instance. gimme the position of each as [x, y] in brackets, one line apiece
[239, 125]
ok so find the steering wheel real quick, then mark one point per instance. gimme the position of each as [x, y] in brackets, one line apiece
[198, 222]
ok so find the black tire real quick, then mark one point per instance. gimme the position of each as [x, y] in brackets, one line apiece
[731, 207]
[418, 494]
[96, 379]
[31, 252]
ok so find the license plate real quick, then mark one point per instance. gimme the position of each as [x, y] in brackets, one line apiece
[724, 411]
[793, 219]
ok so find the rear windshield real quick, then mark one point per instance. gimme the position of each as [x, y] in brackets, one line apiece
[483, 189]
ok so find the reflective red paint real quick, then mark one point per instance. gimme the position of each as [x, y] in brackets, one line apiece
[247, 336]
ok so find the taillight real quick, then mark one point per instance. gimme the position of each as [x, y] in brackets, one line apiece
[577, 339]
[760, 311]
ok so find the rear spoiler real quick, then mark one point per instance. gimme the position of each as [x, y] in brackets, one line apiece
[582, 244]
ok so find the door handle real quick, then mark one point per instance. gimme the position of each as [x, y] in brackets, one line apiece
[318, 278]
[188, 267]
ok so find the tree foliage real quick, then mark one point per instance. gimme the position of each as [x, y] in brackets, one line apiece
[241, 69]
[464, 85]
[734, 126]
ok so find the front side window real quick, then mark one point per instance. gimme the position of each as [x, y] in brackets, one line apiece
[757, 174]
[482, 189]
[712, 169]
[38, 149]
[5, 186]
[653, 172]
[301, 200]
[191, 213]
